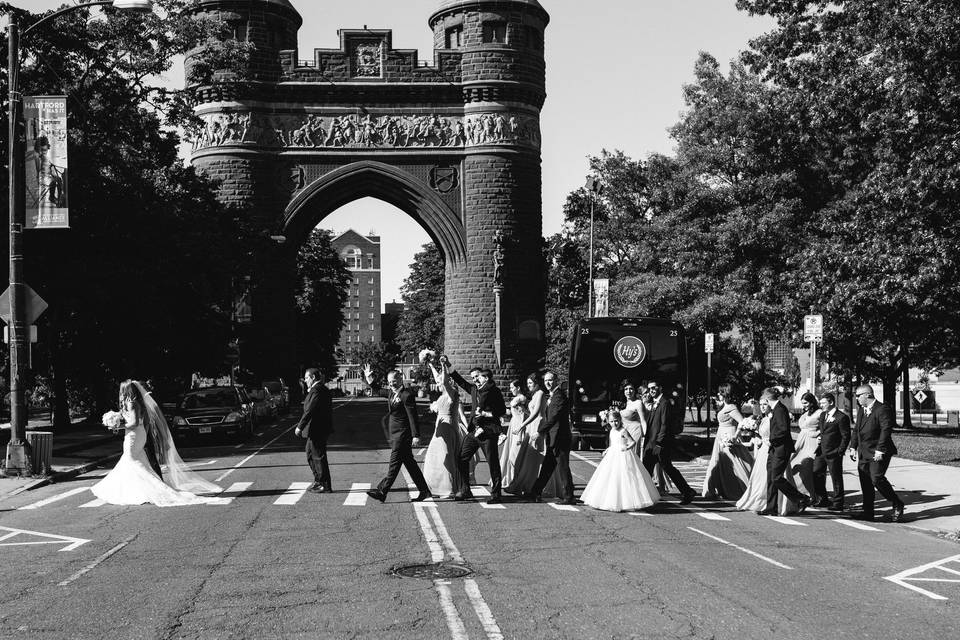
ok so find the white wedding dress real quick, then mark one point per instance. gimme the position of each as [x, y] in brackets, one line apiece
[620, 483]
[440, 461]
[132, 481]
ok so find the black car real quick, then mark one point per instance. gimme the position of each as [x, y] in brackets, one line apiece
[214, 410]
[278, 388]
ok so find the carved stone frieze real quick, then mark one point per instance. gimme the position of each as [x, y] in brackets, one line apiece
[367, 58]
[366, 130]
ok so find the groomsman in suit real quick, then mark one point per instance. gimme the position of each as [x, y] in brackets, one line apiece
[556, 429]
[778, 458]
[404, 433]
[834, 438]
[660, 439]
[315, 425]
[872, 443]
[483, 431]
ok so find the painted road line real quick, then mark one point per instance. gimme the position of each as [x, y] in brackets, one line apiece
[233, 491]
[293, 494]
[93, 503]
[856, 525]
[52, 499]
[239, 446]
[709, 515]
[96, 562]
[789, 521]
[487, 621]
[563, 507]
[905, 578]
[450, 613]
[429, 535]
[358, 495]
[414, 492]
[47, 538]
[201, 464]
[640, 513]
[483, 492]
[745, 550]
[583, 459]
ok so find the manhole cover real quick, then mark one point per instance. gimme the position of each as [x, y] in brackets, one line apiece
[437, 570]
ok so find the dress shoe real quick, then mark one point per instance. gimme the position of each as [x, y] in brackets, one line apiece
[422, 496]
[460, 497]
[866, 517]
[822, 503]
[767, 512]
[494, 500]
[326, 489]
[897, 514]
[315, 485]
[570, 502]
[803, 504]
[315, 489]
[376, 494]
[531, 497]
[687, 498]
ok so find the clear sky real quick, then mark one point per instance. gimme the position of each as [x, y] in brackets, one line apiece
[615, 73]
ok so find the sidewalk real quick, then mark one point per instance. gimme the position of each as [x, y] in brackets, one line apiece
[76, 450]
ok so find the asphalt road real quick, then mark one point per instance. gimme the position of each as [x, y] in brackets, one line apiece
[269, 562]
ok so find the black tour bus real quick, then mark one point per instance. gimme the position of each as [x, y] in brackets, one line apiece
[606, 351]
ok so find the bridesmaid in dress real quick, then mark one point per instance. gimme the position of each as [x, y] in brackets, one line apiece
[728, 471]
[755, 497]
[527, 466]
[516, 432]
[801, 464]
[632, 414]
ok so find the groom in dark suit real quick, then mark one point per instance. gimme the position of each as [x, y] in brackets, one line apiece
[659, 440]
[872, 443]
[315, 425]
[404, 433]
[484, 430]
[556, 429]
[778, 458]
[834, 438]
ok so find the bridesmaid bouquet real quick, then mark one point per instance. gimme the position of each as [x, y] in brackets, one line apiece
[747, 431]
[114, 420]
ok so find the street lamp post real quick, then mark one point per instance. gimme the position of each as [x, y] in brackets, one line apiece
[17, 462]
[594, 188]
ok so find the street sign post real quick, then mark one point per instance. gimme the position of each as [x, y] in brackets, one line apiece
[813, 333]
[34, 303]
[708, 348]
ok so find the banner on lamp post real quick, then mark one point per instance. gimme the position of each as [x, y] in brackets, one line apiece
[45, 118]
[601, 292]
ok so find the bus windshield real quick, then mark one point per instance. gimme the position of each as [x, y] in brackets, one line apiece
[607, 351]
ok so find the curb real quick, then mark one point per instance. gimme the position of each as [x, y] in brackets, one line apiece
[60, 476]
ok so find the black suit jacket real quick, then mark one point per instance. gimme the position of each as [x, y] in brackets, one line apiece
[486, 398]
[659, 421]
[316, 422]
[834, 434]
[874, 432]
[401, 418]
[556, 424]
[780, 428]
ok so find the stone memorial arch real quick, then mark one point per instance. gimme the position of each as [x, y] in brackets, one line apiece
[455, 145]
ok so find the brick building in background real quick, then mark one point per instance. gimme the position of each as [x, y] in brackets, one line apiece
[362, 309]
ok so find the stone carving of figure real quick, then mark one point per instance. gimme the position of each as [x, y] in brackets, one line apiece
[499, 127]
[498, 259]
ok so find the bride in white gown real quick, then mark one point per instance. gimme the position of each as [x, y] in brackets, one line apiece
[132, 481]
[620, 483]
[440, 461]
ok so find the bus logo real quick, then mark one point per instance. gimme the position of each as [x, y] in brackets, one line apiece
[629, 352]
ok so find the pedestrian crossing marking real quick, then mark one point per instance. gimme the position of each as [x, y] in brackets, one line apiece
[93, 503]
[233, 491]
[482, 491]
[783, 520]
[52, 499]
[563, 507]
[857, 525]
[357, 496]
[709, 515]
[293, 494]
[414, 492]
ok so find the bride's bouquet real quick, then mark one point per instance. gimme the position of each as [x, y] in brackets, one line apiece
[427, 356]
[114, 420]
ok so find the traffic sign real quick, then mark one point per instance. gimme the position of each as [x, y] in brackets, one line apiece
[813, 328]
[708, 343]
[35, 305]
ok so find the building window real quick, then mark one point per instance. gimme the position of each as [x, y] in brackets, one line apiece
[371, 315]
[371, 326]
[356, 281]
[356, 304]
[373, 292]
[495, 32]
[353, 257]
[371, 304]
[371, 280]
[455, 37]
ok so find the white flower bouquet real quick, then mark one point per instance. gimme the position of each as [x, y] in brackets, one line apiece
[427, 355]
[114, 420]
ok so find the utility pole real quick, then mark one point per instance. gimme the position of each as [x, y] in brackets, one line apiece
[594, 188]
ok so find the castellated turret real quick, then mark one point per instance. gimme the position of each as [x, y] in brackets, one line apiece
[270, 25]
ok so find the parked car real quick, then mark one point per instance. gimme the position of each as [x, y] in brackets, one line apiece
[214, 410]
[278, 388]
[265, 406]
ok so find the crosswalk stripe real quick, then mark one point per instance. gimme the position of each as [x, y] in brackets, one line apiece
[52, 499]
[414, 492]
[484, 492]
[563, 507]
[709, 515]
[293, 494]
[782, 520]
[357, 496]
[93, 503]
[233, 491]
[640, 513]
[857, 525]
